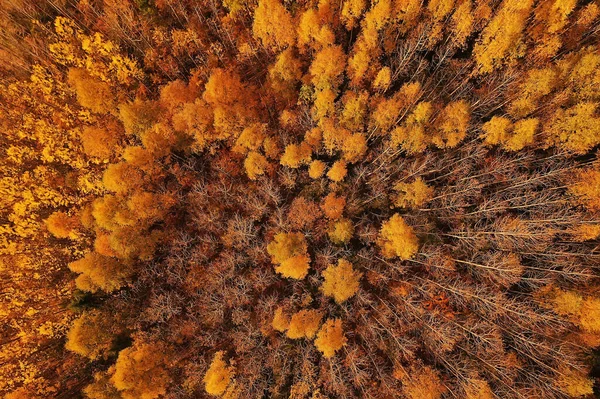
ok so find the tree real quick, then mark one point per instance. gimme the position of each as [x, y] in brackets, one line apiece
[92, 93]
[397, 239]
[272, 24]
[140, 372]
[219, 375]
[91, 335]
[255, 165]
[99, 143]
[586, 188]
[98, 272]
[452, 124]
[327, 68]
[62, 225]
[341, 231]
[333, 206]
[289, 252]
[316, 169]
[422, 383]
[281, 321]
[296, 155]
[338, 171]
[340, 282]
[575, 129]
[330, 338]
[412, 195]
[304, 324]
[499, 40]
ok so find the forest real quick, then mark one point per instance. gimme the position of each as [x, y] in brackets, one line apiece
[299, 199]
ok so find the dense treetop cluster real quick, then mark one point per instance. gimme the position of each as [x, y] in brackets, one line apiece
[299, 199]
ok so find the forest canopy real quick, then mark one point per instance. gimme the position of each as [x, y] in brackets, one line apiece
[299, 199]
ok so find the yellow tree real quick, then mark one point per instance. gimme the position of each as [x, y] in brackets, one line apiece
[330, 338]
[304, 324]
[272, 25]
[500, 39]
[340, 282]
[219, 376]
[140, 372]
[397, 239]
[290, 252]
[91, 335]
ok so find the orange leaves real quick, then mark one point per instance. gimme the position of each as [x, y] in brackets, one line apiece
[98, 272]
[575, 129]
[341, 231]
[333, 206]
[341, 282]
[327, 68]
[255, 164]
[304, 324]
[140, 372]
[330, 338]
[219, 376]
[397, 239]
[92, 93]
[272, 25]
[289, 252]
[412, 195]
[296, 155]
[91, 335]
[62, 225]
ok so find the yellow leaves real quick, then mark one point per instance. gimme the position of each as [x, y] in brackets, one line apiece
[289, 251]
[287, 67]
[537, 84]
[397, 239]
[351, 11]
[219, 376]
[140, 372]
[479, 389]
[338, 171]
[272, 25]
[411, 134]
[496, 130]
[412, 195]
[99, 143]
[341, 231]
[586, 188]
[499, 40]
[330, 338]
[575, 129]
[255, 165]
[327, 68]
[559, 12]
[341, 282]
[91, 93]
[98, 272]
[313, 32]
[462, 23]
[304, 324]
[316, 169]
[575, 383]
[452, 125]
[296, 155]
[281, 321]
[582, 311]
[383, 78]
[423, 383]
[90, 335]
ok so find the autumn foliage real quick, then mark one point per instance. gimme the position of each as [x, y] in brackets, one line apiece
[305, 200]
